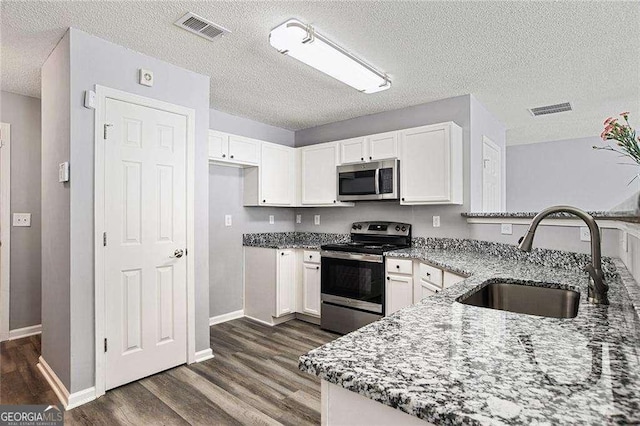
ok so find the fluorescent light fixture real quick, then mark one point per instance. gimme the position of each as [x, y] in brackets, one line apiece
[302, 42]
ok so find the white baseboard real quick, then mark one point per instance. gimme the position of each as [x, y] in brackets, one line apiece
[19, 333]
[274, 321]
[69, 401]
[226, 317]
[204, 355]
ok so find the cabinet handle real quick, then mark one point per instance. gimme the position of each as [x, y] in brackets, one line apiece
[334, 201]
[388, 278]
[402, 198]
[398, 266]
[370, 158]
[317, 267]
[361, 158]
[282, 254]
[264, 201]
[224, 155]
[428, 274]
[232, 156]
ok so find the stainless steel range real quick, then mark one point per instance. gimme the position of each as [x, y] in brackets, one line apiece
[353, 274]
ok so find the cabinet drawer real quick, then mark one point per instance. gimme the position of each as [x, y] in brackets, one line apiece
[431, 274]
[399, 266]
[311, 256]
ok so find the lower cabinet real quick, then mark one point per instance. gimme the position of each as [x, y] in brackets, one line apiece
[281, 282]
[399, 292]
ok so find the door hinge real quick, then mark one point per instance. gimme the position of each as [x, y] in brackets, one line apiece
[106, 126]
[105, 344]
[104, 239]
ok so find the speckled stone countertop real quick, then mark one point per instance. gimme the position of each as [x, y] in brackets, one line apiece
[292, 240]
[627, 216]
[449, 363]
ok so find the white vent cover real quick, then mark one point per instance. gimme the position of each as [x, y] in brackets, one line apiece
[550, 109]
[200, 26]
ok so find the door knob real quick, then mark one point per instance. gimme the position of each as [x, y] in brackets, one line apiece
[178, 253]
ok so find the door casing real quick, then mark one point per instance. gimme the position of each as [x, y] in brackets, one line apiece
[102, 94]
[501, 193]
[5, 229]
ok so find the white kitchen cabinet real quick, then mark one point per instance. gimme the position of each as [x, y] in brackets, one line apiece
[318, 174]
[353, 151]
[431, 165]
[383, 146]
[451, 279]
[233, 149]
[426, 289]
[398, 292]
[276, 177]
[285, 283]
[311, 289]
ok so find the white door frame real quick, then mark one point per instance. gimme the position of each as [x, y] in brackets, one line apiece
[5, 229]
[104, 93]
[492, 144]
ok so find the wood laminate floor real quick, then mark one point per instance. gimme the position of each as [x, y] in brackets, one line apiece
[253, 380]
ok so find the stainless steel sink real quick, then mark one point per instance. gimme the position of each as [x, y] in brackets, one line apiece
[525, 298]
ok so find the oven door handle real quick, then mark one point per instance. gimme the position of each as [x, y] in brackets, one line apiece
[361, 257]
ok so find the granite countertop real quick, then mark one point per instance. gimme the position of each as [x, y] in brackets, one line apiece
[292, 240]
[627, 215]
[449, 363]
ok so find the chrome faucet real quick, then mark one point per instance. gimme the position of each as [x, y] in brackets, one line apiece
[597, 287]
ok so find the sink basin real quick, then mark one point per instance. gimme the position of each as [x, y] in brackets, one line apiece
[525, 298]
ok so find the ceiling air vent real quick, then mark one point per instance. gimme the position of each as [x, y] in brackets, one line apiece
[550, 109]
[200, 26]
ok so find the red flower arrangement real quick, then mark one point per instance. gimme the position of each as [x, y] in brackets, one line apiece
[627, 143]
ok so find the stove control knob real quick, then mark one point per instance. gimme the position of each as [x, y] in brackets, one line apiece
[404, 228]
[359, 226]
[397, 227]
[354, 227]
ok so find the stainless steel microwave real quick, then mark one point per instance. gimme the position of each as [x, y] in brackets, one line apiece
[377, 180]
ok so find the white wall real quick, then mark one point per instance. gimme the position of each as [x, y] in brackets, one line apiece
[23, 114]
[567, 172]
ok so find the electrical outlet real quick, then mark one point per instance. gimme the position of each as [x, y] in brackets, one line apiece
[227, 220]
[22, 219]
[272, 219]
[584, 234]
[298, 218]
[316, 219]
[436, 221]
[506, 229]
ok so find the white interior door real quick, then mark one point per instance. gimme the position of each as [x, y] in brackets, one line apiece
[491, 179]
[145, 223]
[5, 229]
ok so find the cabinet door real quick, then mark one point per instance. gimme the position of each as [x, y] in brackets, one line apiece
[218, 145]
[243, 150]
[383, 146]
[319, 174]
[425, 165]
[353, 151]
[451, 279]
[276, 175]
[426, 289]
[399, 293]
[311, 288]
[285, 283]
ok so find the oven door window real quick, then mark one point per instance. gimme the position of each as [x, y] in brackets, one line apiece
[353, 279]
[362, 182]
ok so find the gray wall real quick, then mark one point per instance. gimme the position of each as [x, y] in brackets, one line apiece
[23, 113]
[95, 61]
[337, 219]
[483, 123]
[566, 172]
[56, 202]
[225, 197]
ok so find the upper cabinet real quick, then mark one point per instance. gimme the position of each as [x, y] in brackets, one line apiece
[226, 148]
[318, 174]
[431, 165]
[371, 148]
[277, 178]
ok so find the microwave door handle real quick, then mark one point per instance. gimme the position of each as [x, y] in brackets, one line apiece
[377, 181]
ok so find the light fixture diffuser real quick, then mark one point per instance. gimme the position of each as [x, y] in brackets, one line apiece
[302, 42]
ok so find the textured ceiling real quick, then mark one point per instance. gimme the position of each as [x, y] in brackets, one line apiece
[511, 55]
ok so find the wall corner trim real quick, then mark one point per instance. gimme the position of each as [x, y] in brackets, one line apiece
[226, 317]
[69, 401]
[19, 333]
[204, 355]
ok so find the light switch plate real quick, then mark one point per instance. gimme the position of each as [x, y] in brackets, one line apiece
[272, 219]
[298, 218]
[22, 219]
[63, 172]
[316, 219]
[584, 234]
[227, 220]
[90, 99]
[436, 221]
[506, 229]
